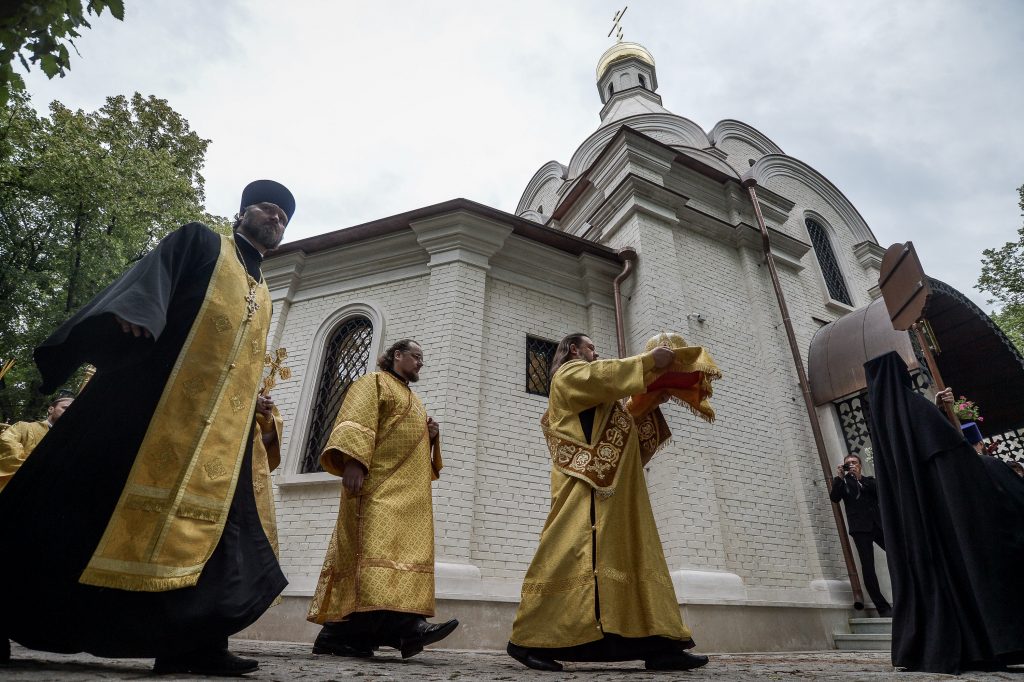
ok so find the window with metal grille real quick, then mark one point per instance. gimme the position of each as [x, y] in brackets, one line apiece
[539, 353]
[827, 260]
[346, 359]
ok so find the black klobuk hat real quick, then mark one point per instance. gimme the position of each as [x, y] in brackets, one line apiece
[259, 191]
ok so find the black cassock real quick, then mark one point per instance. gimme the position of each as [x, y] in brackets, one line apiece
[954, 534]
[55, 509]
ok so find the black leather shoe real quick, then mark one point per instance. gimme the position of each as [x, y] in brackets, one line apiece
[423, 634]
[682, 660]
[523, 655]
[885, 612]
[213, 663]
[341, 649]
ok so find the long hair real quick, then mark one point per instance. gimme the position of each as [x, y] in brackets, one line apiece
[562, 352]
[387, 360]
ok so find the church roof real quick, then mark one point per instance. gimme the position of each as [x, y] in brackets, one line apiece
[520, 226]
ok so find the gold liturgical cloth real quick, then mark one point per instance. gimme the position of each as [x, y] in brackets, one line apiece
[173, 508]
[381, 554]
[617, 559]
[16, 443]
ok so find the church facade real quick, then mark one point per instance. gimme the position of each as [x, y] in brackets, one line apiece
[741, 504]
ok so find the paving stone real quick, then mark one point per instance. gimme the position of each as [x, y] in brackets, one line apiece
[289, 661]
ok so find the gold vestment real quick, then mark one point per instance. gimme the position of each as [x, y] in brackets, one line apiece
[617, 561]
[16, 443]
[381, 554]
[264, 460]
[175, 503]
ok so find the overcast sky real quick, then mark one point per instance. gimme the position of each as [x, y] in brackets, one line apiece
[911, 108]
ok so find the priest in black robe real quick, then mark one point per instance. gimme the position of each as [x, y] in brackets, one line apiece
[133, 530]
[954, 540]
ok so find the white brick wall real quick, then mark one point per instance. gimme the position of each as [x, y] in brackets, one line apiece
[744, 495]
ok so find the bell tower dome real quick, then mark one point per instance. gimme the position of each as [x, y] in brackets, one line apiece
[627, 81]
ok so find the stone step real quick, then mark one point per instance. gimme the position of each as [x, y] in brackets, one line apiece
[869, 626]
[869, 642]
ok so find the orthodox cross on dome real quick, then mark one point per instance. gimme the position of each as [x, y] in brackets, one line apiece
[617, 24]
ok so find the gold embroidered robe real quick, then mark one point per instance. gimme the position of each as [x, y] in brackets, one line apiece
[618, 559]
[266, 459]
[381, 554]
[16, 443]
[174, 505]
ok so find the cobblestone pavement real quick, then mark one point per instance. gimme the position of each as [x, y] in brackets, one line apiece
[290, 661]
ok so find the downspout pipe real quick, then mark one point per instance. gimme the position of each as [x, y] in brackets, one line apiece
[749, 183]
[628, 255]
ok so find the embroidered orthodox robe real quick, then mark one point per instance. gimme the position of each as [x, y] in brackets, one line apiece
[146, 483]
[381, 554]
[599, 569]
[16, 443]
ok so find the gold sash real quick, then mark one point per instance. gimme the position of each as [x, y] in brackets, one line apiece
[175, 503]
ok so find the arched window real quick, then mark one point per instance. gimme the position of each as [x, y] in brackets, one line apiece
[837, 290]
[611, 89]
[643, 81]
[346, 359]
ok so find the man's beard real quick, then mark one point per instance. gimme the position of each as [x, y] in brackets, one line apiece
[263, 234]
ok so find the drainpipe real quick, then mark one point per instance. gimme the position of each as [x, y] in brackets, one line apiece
[858, 596]
[627, 254]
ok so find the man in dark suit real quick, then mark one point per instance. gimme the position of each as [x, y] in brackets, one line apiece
[860, 495]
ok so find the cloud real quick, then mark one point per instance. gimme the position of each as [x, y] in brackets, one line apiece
[367, 110]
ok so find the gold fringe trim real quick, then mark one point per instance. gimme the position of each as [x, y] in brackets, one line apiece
[136, 583]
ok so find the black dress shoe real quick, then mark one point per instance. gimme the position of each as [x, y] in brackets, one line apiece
[682, 660]
[423, 634]
[885, 612]
[213, 663]
[530, 660]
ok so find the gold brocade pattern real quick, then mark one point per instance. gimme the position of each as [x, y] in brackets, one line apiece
[175, 503]
[381, 554]
[16, 443]
[617, 559]
[596, 464]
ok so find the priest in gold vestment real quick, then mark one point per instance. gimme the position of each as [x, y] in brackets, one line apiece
[134, 529]
[376, 587]
[19, 440]
[599, 588]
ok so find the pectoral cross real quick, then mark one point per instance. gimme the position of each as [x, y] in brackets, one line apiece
[617, 25]
[251, 306]
[273, 361]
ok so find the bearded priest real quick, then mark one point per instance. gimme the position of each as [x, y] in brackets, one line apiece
[134, 530]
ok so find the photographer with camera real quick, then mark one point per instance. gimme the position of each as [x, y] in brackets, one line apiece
[860, 496]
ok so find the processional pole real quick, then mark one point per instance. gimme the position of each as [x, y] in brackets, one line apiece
[905, 289]
[844, 540]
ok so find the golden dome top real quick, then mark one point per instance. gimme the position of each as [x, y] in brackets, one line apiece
[621, 51]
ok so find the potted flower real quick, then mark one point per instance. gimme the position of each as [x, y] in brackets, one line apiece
[967, 410]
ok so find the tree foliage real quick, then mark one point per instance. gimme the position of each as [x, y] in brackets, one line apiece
[82, 197]
[39, 32]
[1002, 275]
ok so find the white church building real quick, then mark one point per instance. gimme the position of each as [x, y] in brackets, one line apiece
[741, 504]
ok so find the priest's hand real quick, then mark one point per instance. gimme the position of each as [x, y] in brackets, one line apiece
[265, 406]
[353, 475]
[663, 357]
[133, 329]
[944, 396]
[432, 428]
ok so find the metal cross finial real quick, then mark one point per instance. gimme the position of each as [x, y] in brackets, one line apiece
[617, 24]
[273, 361]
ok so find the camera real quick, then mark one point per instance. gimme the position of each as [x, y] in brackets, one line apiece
[846, 466]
